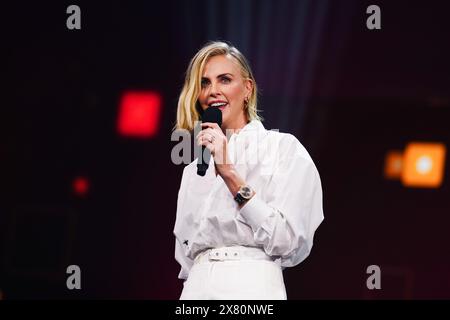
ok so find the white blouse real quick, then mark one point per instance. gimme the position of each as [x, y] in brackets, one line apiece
[282, 216]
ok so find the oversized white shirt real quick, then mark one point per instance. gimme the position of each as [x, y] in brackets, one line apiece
[281, 218]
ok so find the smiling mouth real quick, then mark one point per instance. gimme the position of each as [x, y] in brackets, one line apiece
[220, 106]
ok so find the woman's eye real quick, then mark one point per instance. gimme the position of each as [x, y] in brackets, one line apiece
[225, 80]
[204, 83]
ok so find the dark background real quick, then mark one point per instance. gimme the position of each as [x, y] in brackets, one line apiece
[347, 93]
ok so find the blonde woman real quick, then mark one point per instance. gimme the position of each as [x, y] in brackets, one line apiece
[257, 208]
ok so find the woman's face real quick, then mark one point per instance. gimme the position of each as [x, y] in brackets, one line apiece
[223, 86]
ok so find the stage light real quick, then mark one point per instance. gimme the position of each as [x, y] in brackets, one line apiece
[80, 186]
[393, 165]
[423, 165]
[139, 113]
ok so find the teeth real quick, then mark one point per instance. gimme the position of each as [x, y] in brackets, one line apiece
[218, 104]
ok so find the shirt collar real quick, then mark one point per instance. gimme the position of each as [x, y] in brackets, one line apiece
[249, 130]
[247, 140]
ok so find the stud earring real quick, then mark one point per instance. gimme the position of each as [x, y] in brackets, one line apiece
[246, 102]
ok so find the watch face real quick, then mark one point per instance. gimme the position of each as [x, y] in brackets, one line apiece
[246, 192]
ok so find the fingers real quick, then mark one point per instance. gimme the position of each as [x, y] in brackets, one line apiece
[203, 141]
[209, 133]
[210, 125]
[204, 137]
[210, 136]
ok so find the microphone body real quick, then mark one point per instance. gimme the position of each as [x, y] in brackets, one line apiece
[213, 115]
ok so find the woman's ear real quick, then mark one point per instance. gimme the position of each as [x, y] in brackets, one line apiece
[249, 87]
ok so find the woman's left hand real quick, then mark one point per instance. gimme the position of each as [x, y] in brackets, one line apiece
[213, 138]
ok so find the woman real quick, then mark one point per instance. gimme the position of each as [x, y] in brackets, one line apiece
[255, 211]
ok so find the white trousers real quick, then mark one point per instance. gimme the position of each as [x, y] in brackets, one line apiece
[234, 273]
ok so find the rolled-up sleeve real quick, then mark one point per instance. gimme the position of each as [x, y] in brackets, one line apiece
[285, 216]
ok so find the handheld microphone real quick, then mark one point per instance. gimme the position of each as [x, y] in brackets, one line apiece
[209, 115]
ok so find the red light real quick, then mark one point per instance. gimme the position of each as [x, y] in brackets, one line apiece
[139, 114]
[80, 186]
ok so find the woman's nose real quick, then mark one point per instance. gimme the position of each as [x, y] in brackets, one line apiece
[214, 89]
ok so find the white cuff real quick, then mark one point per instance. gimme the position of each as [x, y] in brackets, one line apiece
[254, 212]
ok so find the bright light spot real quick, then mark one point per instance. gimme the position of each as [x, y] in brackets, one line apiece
[424, 164]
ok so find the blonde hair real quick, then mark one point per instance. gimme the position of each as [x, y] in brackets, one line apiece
[187, 112]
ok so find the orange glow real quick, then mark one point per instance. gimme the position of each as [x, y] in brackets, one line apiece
[424, 165]
[393, 165]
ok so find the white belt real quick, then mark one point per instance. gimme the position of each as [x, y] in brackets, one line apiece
[232, 253]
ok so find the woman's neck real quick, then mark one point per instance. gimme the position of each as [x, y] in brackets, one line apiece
[236, 126]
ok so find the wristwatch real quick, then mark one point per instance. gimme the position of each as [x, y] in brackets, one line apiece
[244, 194]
